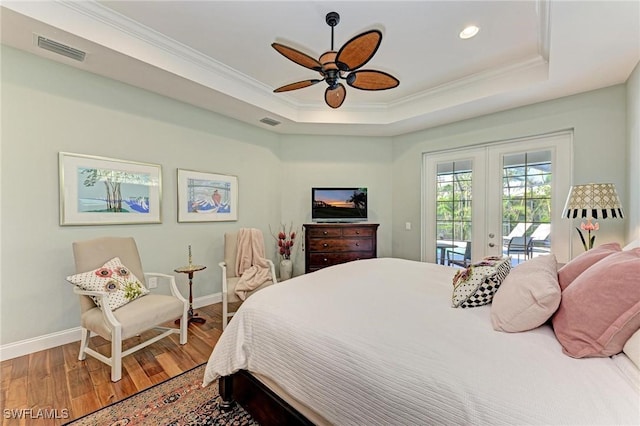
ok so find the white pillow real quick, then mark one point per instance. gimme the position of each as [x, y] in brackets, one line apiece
[632, 348]
[114, 278]
[528, 296]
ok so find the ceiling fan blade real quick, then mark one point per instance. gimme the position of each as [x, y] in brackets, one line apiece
[297, 56]
[335, 97]
[357, 51]
[372, 80]
[297, 85]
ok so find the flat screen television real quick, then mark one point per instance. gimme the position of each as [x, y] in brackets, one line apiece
[338, 204]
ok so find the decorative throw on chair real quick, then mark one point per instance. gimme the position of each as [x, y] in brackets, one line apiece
[251, 264]
[476, 285]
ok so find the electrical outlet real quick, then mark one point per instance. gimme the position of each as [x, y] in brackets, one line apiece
[153, 282]
[407, 226]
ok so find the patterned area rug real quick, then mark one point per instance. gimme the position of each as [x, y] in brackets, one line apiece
[178, 401]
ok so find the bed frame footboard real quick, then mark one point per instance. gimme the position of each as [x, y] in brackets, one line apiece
[262, 403]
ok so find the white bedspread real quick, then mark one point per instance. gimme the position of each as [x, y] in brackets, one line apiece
[376, 342]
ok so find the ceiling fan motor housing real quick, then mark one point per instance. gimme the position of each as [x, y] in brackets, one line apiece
[332, 78]
[328, 61]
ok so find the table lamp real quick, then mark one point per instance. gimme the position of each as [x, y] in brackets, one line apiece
[592, 201]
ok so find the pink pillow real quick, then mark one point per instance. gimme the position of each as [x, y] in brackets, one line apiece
[528, 296]
[579, 264]
[601, 309]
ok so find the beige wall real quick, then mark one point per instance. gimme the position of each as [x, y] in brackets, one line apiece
[47, 107]
[309, 161]
[598, 120]
[632, 208]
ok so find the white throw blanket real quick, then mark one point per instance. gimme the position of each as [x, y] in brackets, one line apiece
[251, 265]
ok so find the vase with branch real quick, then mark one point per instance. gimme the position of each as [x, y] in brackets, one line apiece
[285, 240]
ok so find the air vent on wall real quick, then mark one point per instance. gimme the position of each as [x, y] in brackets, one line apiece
[269, 121]
[61, 49]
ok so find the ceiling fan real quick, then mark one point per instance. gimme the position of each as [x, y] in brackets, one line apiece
[343, 64]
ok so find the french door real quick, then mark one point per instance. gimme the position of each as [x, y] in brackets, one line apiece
[497, 199]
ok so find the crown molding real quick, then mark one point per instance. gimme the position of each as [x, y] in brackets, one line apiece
[544, 28]
[101, 25]
[96, 11]
[467, 83]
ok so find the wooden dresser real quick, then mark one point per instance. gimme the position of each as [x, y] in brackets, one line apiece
[328, 244]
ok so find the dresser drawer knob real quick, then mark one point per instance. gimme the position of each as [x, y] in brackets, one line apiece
[357, 232]
[325, 232]
[325, 245]
[325, 260]
[357, 244]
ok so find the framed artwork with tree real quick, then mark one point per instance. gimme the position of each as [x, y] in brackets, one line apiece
[106, 191]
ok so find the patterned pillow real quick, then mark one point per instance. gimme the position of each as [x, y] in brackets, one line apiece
[476, 285]
[114, 278]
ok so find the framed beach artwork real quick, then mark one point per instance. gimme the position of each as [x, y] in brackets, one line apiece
[206, 197]
[106, 191]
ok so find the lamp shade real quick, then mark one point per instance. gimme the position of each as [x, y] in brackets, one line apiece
[593, 200]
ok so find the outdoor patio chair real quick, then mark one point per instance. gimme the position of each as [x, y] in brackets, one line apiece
[466, 256]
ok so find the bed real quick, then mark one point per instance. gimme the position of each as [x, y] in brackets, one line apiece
[377, 342]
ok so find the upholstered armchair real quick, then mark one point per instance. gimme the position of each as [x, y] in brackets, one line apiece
[131, 319]
[230, 278]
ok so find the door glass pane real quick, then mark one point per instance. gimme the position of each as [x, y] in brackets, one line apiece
[526, 205]
[453, 212]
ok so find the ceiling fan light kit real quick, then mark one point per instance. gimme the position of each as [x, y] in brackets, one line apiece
[341, 65]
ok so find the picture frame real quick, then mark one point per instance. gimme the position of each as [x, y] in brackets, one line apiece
[207, 197]
[107, 191]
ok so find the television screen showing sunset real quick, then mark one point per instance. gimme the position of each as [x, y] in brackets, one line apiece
[339, 203]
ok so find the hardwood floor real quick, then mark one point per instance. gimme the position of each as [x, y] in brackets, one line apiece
[53, 383]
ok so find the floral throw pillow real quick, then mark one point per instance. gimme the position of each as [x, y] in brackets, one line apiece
[476, 285]
[114, 278]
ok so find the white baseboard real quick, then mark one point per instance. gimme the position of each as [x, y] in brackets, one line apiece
[40, 343]
[48, 341]
[199, 302]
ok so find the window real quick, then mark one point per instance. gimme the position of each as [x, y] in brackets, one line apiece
[497, 199]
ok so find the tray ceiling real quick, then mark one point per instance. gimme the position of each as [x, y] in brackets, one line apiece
[217, 54]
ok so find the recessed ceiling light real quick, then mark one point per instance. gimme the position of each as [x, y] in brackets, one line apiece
[469, 32]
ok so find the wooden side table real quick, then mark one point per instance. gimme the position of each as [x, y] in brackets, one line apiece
[190, 270]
